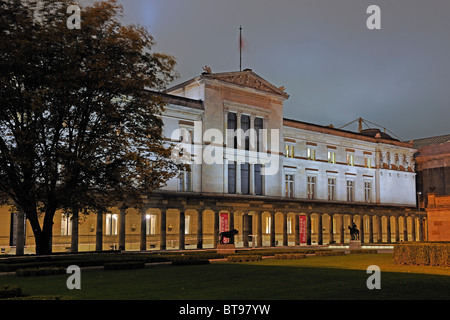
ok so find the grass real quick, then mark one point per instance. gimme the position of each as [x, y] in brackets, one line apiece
[336, 277]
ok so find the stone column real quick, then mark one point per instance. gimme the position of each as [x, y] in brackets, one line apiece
[370, 228]
[379, 229]
[272, 229]
[216, 227]
[245, 227]
[361, 228]
[259, 230]
[199, 229]
[285, 234]
[163, 230]
[319, 229]
[75, 229]
[297, 229]
[122, 230]
[397, 229]
[405, 228]
[231, 225]
[331, 225]
[413, 228]
[341, 232]
[181, 233]
[143, 235]
[308, 228]
[388, 229]
[99, 232]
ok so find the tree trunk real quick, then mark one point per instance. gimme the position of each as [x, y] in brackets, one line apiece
[99, 232]
[42, 237]
[74, 239]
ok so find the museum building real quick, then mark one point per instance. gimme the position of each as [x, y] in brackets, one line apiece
[278, 181]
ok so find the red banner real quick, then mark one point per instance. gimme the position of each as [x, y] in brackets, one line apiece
[223, 225]
[302, 228]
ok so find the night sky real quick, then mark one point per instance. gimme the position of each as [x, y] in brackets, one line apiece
[333, 67]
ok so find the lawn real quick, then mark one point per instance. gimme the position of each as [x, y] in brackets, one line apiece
[336, 277]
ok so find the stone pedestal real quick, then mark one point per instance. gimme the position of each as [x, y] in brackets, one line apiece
[226, 248]
[355, 244]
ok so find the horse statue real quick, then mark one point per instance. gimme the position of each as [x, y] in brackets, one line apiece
[354, 233]
[227, 234]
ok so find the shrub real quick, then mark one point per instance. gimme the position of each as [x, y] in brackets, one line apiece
[128, 265]
[419, 253]
[329, 253]
[40, 272]
[363, 251]
[244, 258]
[186, 260]
[290, 256]
[7, 291]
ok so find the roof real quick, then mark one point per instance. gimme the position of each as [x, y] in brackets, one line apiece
[246, 78]
[423, 142]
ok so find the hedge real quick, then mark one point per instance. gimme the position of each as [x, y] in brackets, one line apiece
[290, 256]
[124, 265]
[244, 258]
[186, 260]
[419, 253]
[7, 291]
[329, 253]
[40, 272]
[363, 251]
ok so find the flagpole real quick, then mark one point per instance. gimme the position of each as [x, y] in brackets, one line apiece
[240, 48]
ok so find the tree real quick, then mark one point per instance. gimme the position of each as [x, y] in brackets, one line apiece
[78, 129]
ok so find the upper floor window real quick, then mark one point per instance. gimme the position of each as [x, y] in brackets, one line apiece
[289, 151]
[185, 180]
[311, 153]
[350, 190]
[368, 191]
[232, 125]
[350, 158]
[368, 161]
[258, 130]
[331, 188]
[311, 187]
[289, 181]
[245, 126]
[331, 156]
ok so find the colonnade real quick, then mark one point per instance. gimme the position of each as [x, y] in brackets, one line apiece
[373, 227]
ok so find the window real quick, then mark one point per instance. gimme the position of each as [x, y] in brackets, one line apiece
[258, 130]
[350, 190]
[331, 188]
[289, 225]
[350, 158]
[268, 224]
[185, 180]
[111, 224]
[245, 178]
[258, 179]
[368, 191]
[289, 180]
[368, 162]
[232, 177]
[232, 125]
[66, 225]
[289, 152]
[187, 224]
[331, 156]
[245, 126]
[151, 223]
[311, 187]
[311, 153]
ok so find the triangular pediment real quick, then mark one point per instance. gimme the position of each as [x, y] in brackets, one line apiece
[248, 79]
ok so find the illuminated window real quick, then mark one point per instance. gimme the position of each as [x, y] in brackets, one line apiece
[151, 223]
[111, 224]
[185, 180]
[368, 162]
[331, 156]
[187, 224]
[311, 187]
[289, 180]
[289, 225]
[66, 225]
[311, 153]
[268, 224]
[289, 151]
[350, 158]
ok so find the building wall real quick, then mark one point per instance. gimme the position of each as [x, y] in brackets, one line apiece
[438, 215]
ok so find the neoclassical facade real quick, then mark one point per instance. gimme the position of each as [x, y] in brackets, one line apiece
[279, 181]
